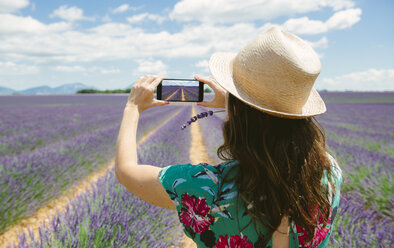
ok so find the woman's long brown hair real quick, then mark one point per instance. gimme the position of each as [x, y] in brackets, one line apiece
[281, 163]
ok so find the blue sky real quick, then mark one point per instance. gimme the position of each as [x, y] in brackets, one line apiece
[109, 44]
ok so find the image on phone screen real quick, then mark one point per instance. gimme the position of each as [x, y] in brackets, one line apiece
[183, 90]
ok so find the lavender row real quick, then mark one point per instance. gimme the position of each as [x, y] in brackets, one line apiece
[357, 97]
[118, 100]
[371, 118]
[26, 112]
[177, 96]
[23, 119]
[148, 121]
[368, 125]
[368, 173]
[24, 178]
[110, 216]
[24, 181]
[191, 93]
[377, 142]
[15, 144]
[167, 91]
[358, 226]
[63, 125]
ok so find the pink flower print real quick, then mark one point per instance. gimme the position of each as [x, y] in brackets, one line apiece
[234, 241]
[320, 232]
[195, 213]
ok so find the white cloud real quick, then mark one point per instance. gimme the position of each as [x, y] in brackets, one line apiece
[319, 44]
[64, 68]
[203, 65]
[151, 67]
[11, 24]
[123, 8]
[344, 19]
[70, 13]
[339, 20]
[369, 80]
[112, 41]
[106, 18]
[304, 25]
[10, 68]
[338, 4]
[322, 43]
[78, 68]
[233, 11]
[146, 16]
[109, 71]
[113, 29]
[8, 6]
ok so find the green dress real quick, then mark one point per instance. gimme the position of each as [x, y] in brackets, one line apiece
[213, 216]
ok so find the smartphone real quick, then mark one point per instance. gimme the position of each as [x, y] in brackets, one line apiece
[180, 90]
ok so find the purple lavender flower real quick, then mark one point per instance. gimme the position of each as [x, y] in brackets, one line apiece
[199, 116]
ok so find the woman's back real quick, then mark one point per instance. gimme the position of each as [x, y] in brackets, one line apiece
[277, 167]
[213, 214]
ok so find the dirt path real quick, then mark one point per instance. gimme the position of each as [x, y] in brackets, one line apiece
[198, 154]
[45, 213]
[183, 95]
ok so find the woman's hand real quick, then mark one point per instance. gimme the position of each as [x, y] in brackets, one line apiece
[219, 100]
[141, 95]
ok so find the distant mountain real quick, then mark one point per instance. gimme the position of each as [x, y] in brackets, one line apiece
[6, 91]
[38, 90]
[71, 88]
[45, 90]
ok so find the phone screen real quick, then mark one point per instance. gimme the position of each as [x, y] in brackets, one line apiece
[180, 90]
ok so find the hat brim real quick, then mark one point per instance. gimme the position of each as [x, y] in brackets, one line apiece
[220, 65]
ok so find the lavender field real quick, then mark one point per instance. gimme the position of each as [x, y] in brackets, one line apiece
[184, 93]
[49, 143]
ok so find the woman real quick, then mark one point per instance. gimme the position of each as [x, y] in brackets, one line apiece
[278, 187]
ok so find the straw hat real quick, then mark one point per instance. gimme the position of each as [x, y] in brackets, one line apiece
[274, 73]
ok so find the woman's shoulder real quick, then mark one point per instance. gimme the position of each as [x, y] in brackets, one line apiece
[194, 172]
[223, 164]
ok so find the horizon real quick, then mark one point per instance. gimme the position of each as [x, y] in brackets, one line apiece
[17, 92]
[108, 45]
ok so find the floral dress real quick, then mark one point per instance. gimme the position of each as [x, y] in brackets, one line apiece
[213, 216]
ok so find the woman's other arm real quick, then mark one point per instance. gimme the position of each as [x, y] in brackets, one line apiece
[141, 180]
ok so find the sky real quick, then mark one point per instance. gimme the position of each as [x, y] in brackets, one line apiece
[110, 44]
